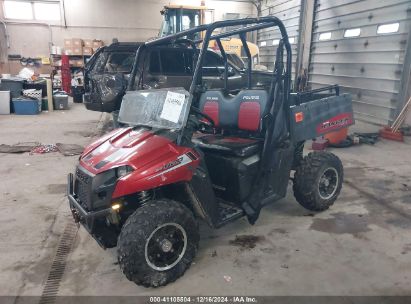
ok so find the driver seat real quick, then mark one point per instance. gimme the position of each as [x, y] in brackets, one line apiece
[240, 115]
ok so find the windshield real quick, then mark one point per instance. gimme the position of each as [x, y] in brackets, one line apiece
[114, 62]
[162, 109]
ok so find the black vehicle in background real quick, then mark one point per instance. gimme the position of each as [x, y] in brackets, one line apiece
[108, 71]
[106, 76]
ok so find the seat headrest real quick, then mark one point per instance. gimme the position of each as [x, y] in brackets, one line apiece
[242, 111]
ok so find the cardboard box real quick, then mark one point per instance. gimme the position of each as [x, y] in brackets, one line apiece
[77, 50]
[97, 44]
[68, 43]
[77, 42]
[78, 63]
[68, 51]
[87, 51]
[88, 43]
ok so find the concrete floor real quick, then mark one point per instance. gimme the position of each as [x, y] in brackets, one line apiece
[361, 246]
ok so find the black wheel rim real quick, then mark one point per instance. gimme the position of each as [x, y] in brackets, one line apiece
[166, 246]
[328, 183]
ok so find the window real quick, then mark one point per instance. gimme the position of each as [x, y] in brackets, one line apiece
[213, 63]
[325, 36]
[18, 10]
[46, 11]
[213, 60]
[208, 16]
[113, 62]
[355, 32]
[120, 62]
[99, 64]
[276, 41]
[33, 10]
[190, 19]
[263, 43]
[154, 63]
[176, 62]
[388, 28]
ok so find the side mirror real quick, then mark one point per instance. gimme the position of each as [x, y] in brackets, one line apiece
[231, 71]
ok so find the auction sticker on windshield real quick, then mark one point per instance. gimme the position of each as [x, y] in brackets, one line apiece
[173, 105]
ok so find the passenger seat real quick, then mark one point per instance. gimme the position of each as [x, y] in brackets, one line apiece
[240, 116]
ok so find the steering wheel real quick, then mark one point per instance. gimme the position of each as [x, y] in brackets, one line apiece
[210, 122]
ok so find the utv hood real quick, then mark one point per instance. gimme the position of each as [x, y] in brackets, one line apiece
[137, 148]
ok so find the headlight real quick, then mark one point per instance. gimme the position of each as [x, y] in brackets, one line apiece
[123, 170]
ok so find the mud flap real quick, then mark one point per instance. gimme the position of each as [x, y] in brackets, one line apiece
[280, 171]
[202, 196]
[274, 182]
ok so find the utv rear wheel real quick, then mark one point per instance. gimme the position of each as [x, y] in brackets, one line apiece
[318, 181]
[157, 243]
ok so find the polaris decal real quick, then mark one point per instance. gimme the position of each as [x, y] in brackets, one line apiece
[212, 98]
[335, 123]
[254, 98]
[171, 164]
[179, 162]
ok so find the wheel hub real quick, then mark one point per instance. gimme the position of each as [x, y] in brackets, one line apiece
[166, 245]
[328, 183]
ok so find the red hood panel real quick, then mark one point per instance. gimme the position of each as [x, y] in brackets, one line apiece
[137, 148]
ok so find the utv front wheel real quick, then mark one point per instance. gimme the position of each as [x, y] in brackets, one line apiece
[157, 243]
[318, 181]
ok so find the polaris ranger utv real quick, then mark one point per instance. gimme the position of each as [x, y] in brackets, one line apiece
[203, 154]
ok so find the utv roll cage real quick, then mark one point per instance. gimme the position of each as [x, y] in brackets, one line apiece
[281, 81]
[250, 24]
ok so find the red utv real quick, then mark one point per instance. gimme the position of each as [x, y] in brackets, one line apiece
[205, 154]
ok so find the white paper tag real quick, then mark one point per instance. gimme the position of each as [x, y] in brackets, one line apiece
[173, 105]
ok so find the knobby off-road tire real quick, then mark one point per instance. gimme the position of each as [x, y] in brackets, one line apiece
[157, 243]
[318, 180]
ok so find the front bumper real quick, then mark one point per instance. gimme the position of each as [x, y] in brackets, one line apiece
[89, 198]
[80, 215]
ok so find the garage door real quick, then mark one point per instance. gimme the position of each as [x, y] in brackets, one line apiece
[361, 46]
[289, 13]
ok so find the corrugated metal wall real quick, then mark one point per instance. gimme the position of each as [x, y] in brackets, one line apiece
[368, 66]
[289, 12]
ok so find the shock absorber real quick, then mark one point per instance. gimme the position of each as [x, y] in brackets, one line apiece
[138, 200]
[144, 196]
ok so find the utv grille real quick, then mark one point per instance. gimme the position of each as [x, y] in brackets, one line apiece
[82, 188]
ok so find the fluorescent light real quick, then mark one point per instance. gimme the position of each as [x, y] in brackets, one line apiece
[263, 43]
[325, 36]
[355, 32]
[276, 41]
[388, 28]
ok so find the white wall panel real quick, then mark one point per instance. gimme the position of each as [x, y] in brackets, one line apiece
[289, 13]
[369, 66]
